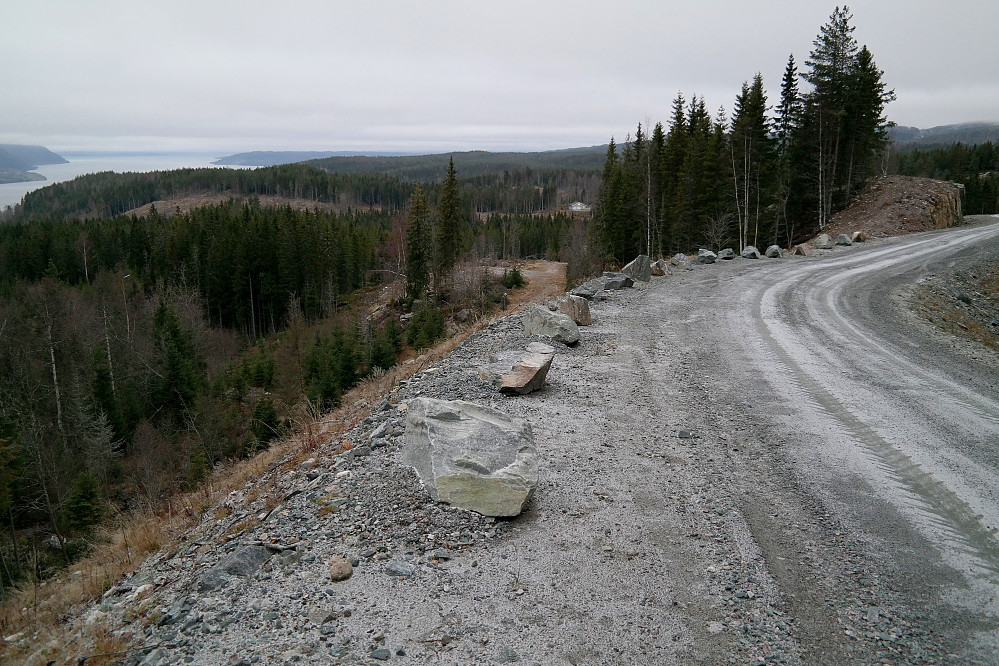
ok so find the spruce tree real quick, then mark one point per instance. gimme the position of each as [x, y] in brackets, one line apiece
[417, 245]
[787, 125]
[831, 64]
[608, 213]
[673, 186]
[751, 151]
[867, 128]
[448, 235]
[83, 506]
[843, 120]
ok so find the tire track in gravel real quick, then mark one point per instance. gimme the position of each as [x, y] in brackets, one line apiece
[854, 508]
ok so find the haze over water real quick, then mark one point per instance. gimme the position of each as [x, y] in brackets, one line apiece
[84, 163]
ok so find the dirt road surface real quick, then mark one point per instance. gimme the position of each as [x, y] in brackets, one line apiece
[751, 462]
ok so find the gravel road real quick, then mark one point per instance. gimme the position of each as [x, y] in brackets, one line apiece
[889, 426]
[752, 462]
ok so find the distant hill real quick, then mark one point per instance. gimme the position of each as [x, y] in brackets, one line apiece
[27, 158]
[264, 158]
[17, 161]
[468, 164]
[906, 138]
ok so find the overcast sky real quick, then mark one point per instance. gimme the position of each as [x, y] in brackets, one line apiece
[435, 76]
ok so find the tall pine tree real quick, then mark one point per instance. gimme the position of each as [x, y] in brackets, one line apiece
[448, 234]
[751, 147]
[831, 64]
[417, 245]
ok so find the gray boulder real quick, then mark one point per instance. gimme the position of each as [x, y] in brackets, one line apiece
[519, 373]
[823, 242]
[212, 579]
[539, 320]
[471, 456]
[704, 257]
[576, 308]
[245, 560]
[727, 253]
[843, 239]
[639, 269]
[750, 252]
[680, 259]
[615, 281]
[774, 252]
[661, 268]
[591, 290]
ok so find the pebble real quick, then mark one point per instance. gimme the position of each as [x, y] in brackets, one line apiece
[340, 569]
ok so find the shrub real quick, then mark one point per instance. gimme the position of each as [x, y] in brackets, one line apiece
[83, 507]
[513, 278]
[425, 327]
[265, 423]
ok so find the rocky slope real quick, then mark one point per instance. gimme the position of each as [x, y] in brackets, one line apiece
[898, 205]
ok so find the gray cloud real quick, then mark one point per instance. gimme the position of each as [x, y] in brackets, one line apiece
[445, 75]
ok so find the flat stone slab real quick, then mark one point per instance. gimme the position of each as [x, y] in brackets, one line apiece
[519, 372]
[615, 281]
[591, 290]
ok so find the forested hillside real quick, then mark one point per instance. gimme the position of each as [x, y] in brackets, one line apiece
[907, 138]
[474, 163]
[142, 350]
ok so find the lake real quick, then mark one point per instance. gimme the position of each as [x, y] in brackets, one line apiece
[84, 163]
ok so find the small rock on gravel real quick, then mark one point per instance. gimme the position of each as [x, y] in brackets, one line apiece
[340, 569]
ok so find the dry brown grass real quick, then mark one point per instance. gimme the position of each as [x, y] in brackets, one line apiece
[43, 614]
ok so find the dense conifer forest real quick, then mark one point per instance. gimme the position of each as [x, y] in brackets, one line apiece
[142, 350]
[773, 171]
[975, 166]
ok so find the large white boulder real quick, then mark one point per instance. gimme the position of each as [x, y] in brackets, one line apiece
[576, 308]
[704, 257]
[539, 320]
[639, 269]
[823, 242]
[471, 456]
